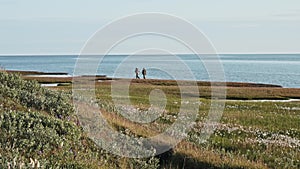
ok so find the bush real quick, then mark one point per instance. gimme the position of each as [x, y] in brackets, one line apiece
[32, 95]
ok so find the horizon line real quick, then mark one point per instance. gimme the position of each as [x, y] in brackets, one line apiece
[225, 53]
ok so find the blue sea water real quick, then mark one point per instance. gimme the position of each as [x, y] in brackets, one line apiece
[279, 69]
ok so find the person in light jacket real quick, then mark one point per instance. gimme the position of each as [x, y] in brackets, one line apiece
[136, 73]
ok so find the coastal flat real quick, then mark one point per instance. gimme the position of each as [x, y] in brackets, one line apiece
[235, 90]
[259, 126]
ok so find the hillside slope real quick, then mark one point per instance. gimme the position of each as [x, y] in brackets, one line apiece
[38, 128]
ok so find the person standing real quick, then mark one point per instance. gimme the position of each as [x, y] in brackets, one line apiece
[136, 73]
[144, 72]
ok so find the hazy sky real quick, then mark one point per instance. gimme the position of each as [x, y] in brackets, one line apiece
[233, 26]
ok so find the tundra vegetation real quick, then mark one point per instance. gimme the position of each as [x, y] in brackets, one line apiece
[39, 127]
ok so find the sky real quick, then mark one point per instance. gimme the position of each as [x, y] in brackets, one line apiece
[232, 26]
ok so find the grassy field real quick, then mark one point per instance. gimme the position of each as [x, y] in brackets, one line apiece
[249, 134]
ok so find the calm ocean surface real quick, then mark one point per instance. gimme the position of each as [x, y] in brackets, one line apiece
[280, 69]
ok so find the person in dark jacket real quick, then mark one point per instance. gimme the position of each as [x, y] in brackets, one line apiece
[144, 72]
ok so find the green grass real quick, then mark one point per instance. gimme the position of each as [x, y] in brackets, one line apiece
[249, 135]
[264, 134]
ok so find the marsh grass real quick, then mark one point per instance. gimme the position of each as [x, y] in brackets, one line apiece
[249, 135]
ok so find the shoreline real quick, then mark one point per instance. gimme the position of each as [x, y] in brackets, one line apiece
[58, 77]
[33, 72]
[234, 90]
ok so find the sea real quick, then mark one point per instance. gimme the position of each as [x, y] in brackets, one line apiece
[277, 69]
